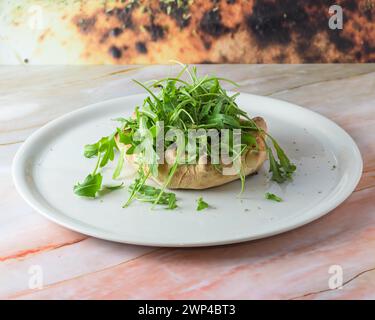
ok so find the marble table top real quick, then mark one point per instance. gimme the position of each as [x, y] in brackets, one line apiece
[41, 260]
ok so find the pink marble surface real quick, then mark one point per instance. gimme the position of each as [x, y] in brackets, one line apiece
[294, 265]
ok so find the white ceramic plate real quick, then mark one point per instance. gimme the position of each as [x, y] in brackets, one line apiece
[328, 161]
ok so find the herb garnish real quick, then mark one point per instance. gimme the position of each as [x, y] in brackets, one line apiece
[104, 150]
[197, 103]
[113, 188]
[90, 186]
[144, 193]
[273, 197]
[201, 204]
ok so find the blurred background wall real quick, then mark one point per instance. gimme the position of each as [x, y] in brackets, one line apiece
[191, 31]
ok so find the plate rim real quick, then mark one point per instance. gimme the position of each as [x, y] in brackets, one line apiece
[69, 222]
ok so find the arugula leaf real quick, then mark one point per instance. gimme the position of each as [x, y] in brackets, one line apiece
[130, 150]
[249, 139]
[90, 186]
[273, 197]
[221, 121]
[136, 185]
[121, 119]
[285, 163]
[172, 201]
[107, 146]
[124, 138]
[104, 150]
[120, 165]
[201, 204]
[113, 188]
[91, 150]
[154, 169]
[275, 168]
[171, 173]
[283, 169]
[146, 193]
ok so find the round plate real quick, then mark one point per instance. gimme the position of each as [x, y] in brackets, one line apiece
[51, 161]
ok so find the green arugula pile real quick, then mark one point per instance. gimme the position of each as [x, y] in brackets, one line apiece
[199, 102]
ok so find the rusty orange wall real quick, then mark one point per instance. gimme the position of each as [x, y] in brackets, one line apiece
[209, 31]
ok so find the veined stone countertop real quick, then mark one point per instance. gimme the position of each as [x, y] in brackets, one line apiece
[293, 265]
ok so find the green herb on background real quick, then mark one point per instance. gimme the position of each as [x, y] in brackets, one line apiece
[113, 188]
[90, 186]
[104, 150]
[145, 193]
[282, 170]
[120, 165]
[201, 204]
[105, 147]
[273, 197]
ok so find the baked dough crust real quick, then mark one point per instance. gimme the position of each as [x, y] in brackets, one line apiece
[204, 176]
